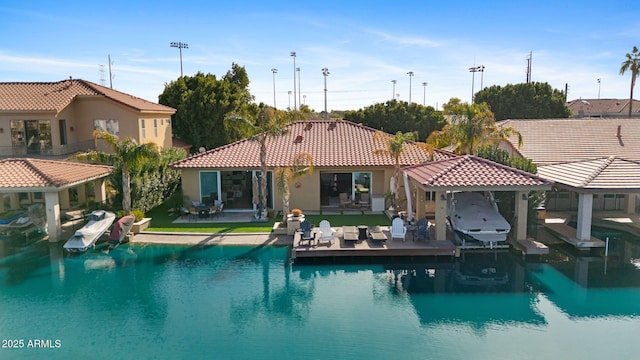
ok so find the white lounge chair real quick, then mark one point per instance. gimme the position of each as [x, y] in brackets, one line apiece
[398, 230]
[326, 232]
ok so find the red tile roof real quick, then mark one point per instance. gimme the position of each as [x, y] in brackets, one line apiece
[332, 143]
[36, 173]
[597, 174]
[472, 172]
[55, 96]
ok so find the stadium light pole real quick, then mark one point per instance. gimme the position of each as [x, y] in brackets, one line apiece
[293, 54]
[299, 88]
[274, 71]
[180, 45]
[473, 78]
[289, 92]
[393, 95]
[481, 69]
[325, 72]
[410, 73]
[424, 94]
[599, 81]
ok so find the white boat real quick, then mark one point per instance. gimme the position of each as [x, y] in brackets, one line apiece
[473, 217]
[86, 236]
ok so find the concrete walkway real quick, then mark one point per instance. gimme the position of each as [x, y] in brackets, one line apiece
[213, 238]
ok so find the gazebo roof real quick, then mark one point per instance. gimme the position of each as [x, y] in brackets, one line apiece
[597, 175]
[471, 173]
[26, 174]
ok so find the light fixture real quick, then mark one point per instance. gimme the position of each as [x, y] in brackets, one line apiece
[443, 197]
[524, 196]
[1, 130]
[71, 128]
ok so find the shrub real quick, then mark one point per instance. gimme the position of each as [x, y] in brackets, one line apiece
[138, 214]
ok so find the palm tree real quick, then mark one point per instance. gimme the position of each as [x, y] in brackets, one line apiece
[632, 64]
[394, 146]
[471, 127]
[301, 165]
[127, 153]
[268, 126]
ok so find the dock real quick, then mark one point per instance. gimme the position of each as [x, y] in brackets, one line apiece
[568, 234]
[338, 247]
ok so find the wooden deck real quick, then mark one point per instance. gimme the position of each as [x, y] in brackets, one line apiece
[369, 247]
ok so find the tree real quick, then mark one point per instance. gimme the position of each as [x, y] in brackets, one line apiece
[394, 146]
[127, 154]
[470, 127]
[632, 64]
[268, 125]
[301, 165]
[524, 101]
[394, 116]
[203, 102]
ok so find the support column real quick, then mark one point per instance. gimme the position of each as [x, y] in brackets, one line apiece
[14, 200]
[52, 205]
[101, 191]
[441, 215]
[82, 194]
[631, 203]
[2, 209]
[63, 199]
[420, 203]
[585, 209]
[521, 209]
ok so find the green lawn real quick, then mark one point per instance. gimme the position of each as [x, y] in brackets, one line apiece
[163, 221]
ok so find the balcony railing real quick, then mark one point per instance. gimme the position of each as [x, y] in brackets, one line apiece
[47, 151]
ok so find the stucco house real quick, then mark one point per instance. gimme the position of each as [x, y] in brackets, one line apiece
[603, 108]
[55, 119]
[344, 163]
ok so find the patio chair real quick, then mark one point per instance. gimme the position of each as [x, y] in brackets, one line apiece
[422, 228]
[364, 199]
[305, 232]
[398, 230]
[193, 213]
[344, 200]
[326, 232]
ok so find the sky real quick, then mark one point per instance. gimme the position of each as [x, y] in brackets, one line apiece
[365, 45]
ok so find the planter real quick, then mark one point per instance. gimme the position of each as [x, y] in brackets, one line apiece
[278, 230]
[140, 225]
[293, 223]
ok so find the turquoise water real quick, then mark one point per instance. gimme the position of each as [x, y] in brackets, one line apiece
[180, 302]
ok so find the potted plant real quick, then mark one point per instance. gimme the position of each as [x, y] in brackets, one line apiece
[293, 221]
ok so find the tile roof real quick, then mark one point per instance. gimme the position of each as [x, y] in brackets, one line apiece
[471, 172]
[549, 141]
[332, 143]
[55, 96]
[602, 107]
[36, 173]
[597, 174]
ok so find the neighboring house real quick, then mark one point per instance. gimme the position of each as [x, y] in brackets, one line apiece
[603, 108]
[344, 161]
[55, 119]
[594, 163]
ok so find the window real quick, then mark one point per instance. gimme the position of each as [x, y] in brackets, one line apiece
[208, 186]
[143, 133]
[62, 126]
[155, 127]
[111, 126]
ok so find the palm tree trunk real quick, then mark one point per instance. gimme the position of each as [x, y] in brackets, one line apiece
[285, 203]
[126, 190]
[633, 83]
[263, 175]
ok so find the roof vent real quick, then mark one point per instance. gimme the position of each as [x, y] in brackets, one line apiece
[308, 126]
[619, 131]
[298, 139]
